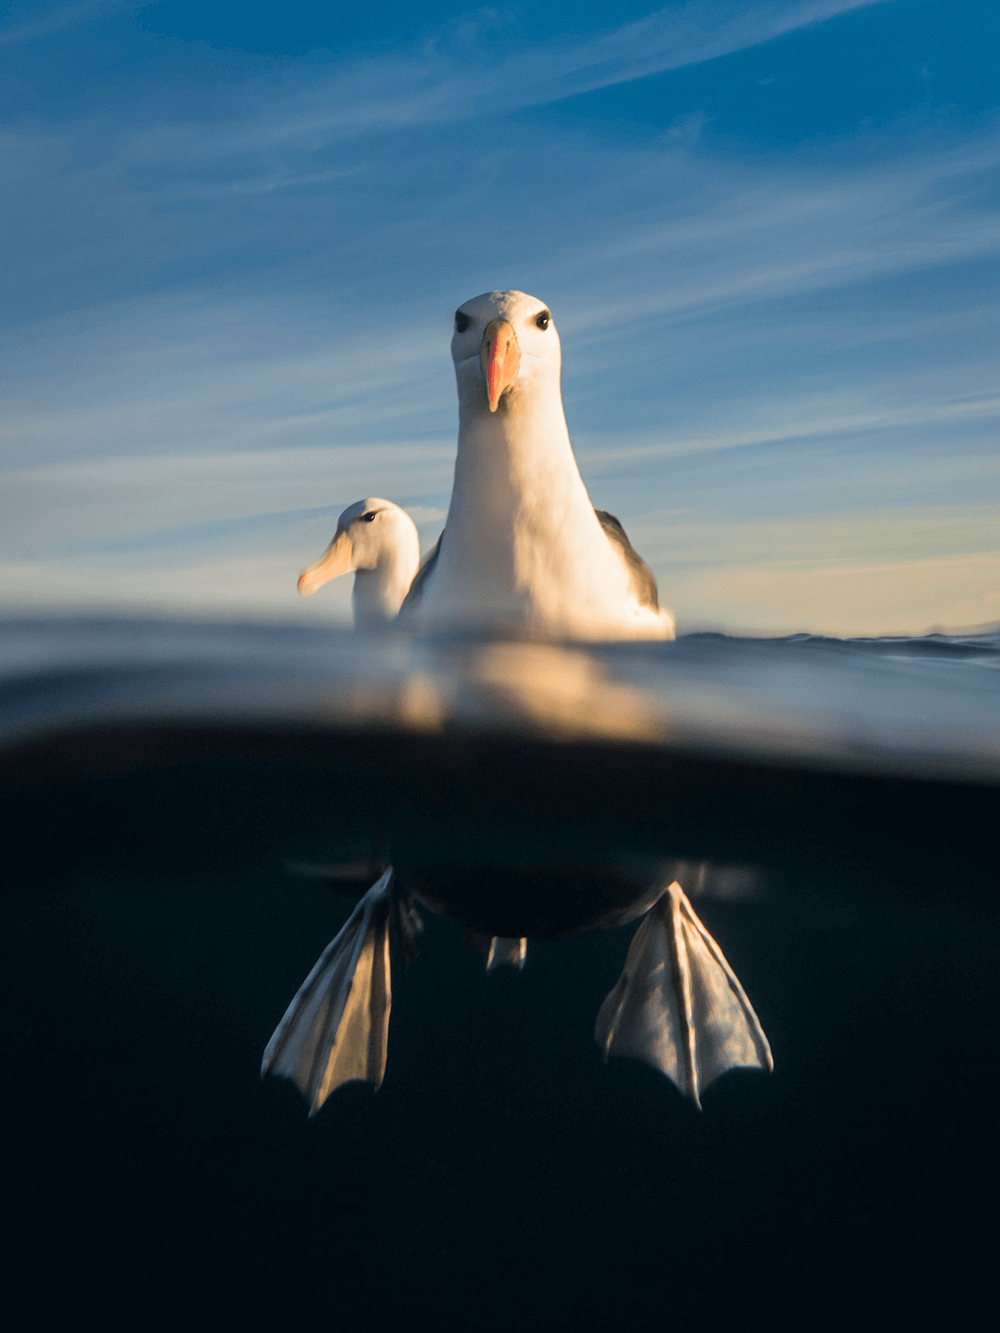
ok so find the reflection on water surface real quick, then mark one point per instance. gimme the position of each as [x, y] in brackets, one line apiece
[919, 705]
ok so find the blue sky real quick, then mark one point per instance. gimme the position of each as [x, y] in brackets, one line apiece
[235, 235]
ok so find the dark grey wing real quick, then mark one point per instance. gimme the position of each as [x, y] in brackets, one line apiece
[642, 576]
[421, 577]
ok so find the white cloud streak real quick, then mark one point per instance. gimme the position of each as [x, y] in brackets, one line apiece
[819, 416]
[164, 373]
[437, 87]
[44, 25]
[102, 500]
[796, 231]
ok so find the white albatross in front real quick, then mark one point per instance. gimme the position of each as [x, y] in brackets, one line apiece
[523, 549]
[524, 552]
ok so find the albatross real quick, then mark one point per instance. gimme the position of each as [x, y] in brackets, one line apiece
[377, 541]
[523, 552]
[523, 548]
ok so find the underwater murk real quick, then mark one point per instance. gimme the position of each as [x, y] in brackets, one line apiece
[196, 812]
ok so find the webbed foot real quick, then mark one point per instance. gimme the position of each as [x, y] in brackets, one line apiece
[678, 1004]
[336, 1028]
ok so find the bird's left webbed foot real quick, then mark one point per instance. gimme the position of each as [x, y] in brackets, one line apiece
[678, 1004]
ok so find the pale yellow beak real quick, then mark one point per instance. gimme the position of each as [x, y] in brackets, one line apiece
[500, 357]
[337, 559]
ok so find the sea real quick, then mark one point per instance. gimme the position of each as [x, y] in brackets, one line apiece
[181, 799]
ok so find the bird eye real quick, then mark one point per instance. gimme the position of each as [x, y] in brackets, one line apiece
[462, 322]
[370, 518]
[542, 320]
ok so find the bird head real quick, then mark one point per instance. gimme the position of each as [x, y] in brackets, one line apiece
[367, 531]
[504, 342]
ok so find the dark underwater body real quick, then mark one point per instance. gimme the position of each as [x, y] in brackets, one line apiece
[164, 786]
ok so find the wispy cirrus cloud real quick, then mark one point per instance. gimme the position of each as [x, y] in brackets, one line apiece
[752, 266]
[45, 25]
[785, 232]
[438, 85]
[822, 416]
[106, 501]
[230, 313]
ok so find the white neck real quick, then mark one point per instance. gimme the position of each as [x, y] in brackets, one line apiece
[378, 593]
[522, 546]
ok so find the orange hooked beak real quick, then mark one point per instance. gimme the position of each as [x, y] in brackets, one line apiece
[501, 359]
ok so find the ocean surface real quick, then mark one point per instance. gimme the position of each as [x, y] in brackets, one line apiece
[173, 793]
